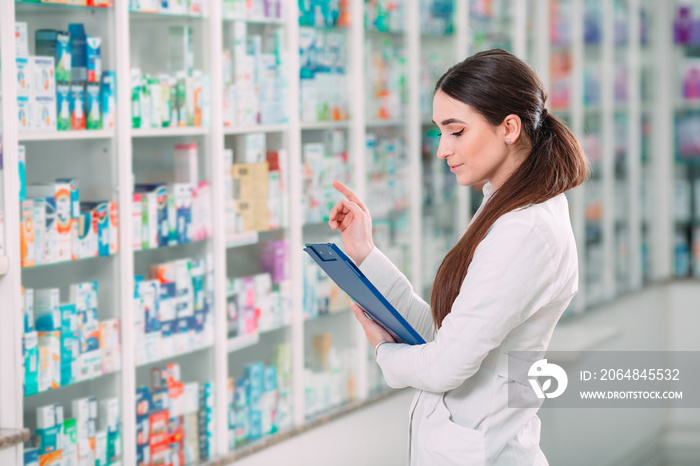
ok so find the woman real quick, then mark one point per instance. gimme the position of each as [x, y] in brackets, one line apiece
[505, 283]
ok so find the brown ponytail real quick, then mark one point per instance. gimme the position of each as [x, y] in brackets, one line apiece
[496, 84]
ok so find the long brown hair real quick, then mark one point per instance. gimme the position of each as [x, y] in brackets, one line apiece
[496, 84]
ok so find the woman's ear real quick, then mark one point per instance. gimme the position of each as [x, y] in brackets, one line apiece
[512, 126]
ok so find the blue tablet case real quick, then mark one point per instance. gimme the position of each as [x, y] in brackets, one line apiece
[350, 279]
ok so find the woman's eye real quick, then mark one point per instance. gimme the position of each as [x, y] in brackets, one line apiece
[457, 133]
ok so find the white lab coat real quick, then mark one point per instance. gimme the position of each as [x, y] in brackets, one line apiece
[522, 277]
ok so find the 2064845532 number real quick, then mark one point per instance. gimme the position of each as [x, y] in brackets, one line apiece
[637, 374]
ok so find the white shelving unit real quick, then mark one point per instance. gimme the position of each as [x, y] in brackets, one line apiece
[124, 146]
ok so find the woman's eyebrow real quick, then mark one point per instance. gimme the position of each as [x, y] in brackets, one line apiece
[449, 121]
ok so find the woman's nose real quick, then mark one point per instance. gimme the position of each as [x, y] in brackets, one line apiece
[444, 150]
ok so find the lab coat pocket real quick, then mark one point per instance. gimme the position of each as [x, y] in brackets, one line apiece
[449, 443]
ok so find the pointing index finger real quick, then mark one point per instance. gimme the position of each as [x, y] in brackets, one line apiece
[348, 193]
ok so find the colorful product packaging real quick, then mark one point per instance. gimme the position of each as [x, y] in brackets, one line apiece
[84, 237]
[93, 106]
[56, 44]
[94, 59]
[21, 40]
[113, 227]
[109, 343]
[74, 195]
[136, 98]
[137, 220]
[70, 348]
[27, 237]
[39, 221]
[24, 78]
[186, 164]
[63, 104]
[100, 222]
[31, 363]
[109, 105]
[24, 115]
[77, 106]
[49, 343]
[46, 309]
[43, 113]
[22, 159]
[43, 76]
[79, 59]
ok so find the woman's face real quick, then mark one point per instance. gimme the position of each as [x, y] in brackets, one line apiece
[474, 150]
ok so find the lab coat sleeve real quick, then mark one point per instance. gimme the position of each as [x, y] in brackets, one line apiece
[511, 276]
[398, 291]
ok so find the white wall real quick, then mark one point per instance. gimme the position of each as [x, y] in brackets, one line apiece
[666, 317]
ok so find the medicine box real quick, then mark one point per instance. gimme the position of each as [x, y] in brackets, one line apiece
[43, 76]
[186, 164]
[56, 44]
[63, 106]
[49, 360]
[70, 349]
[24, 115]
[109, 86]
[93, 104]
[21, 40]
[24, 78]
[84, 237]
[109, 344]
[77, 106]
[137, 221]
[43, 113]
[100, 222]
[94, 59]
[46, 309]
[250, 181]
[78, 45]
[113, 227]
[31, 457]
[39, 220]
[31, 363]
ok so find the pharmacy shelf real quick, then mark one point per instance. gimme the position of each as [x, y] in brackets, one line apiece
[442, 36]
[64, 263]
[67, 135]
[243, 239]
[278, 128]
[170, 132]
[316, 125]
[4, 265]
[175, 356]
[157, 16]
[374, 34]
[171, 246]
[34, 7]
[687, 105]
[78, 382]
[242, 341]
[261, 21]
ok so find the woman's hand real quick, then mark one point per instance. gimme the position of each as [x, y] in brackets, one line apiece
[352, 218]
[375, 333]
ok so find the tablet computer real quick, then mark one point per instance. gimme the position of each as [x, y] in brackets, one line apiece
[350, 279]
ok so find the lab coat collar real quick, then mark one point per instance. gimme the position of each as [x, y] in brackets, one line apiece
[488, 190]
